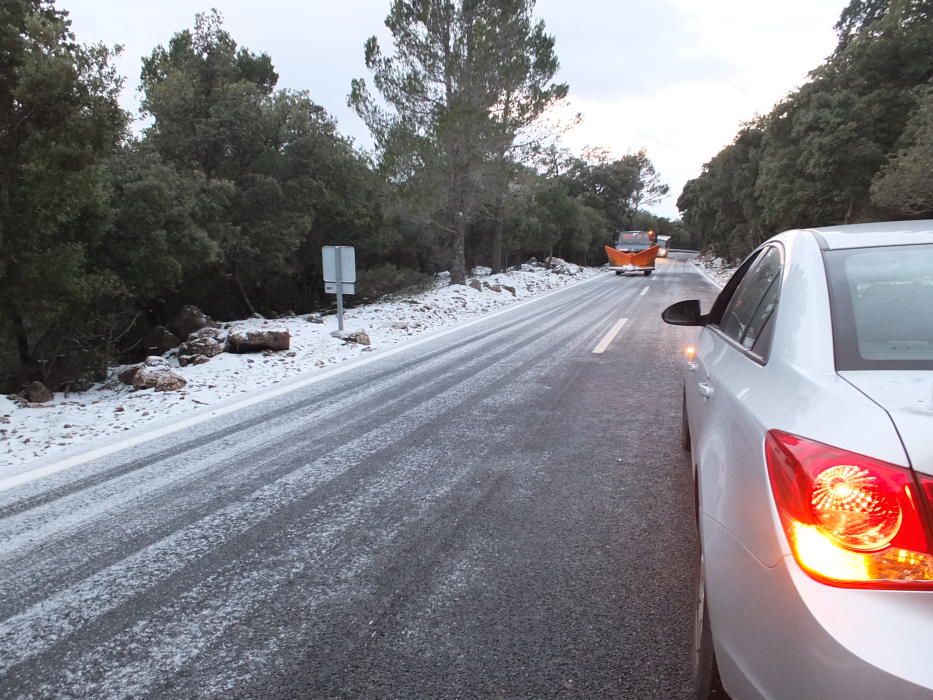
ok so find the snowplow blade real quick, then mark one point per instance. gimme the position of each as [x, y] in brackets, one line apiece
[643, 258]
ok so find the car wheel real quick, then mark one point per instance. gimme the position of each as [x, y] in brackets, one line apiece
[648, 272]
[706, 682]
[618, 272]
[684, 425]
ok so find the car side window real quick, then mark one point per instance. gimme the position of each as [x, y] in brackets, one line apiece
[754, 300]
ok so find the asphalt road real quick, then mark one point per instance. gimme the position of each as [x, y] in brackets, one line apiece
[498, 512]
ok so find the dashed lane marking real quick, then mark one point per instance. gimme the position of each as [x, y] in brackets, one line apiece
[609, 337]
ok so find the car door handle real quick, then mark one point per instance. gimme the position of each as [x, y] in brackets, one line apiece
[705, 389]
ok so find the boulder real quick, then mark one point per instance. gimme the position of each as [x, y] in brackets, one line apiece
[156, 373]
[208, 332]
[315, 318]
[493, 287]
[476, 284]
[160, 340]
[360, 337]
[241, 340]
[185, 360]
[190, 319]
[170, 382]
[203, 345]
[37, 392]
[126, 374]
[510, 290]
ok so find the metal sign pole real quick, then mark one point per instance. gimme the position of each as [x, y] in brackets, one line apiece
[339, 289]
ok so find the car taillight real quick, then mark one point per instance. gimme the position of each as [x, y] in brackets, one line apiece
[851, 520]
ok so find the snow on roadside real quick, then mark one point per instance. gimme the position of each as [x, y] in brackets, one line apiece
[110, 409]
[718, 270]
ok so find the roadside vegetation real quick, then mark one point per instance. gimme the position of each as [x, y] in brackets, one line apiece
[854, 144]
[226, 197]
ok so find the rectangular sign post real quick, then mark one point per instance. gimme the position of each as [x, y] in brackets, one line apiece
[339, 262]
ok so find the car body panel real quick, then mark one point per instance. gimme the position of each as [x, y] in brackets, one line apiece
[821, 641]
[778, 632]
[877, 234]
[907, 396]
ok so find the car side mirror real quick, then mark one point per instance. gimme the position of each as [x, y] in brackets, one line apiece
[684, 313]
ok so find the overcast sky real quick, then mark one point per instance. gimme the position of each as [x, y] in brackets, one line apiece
[676, 77]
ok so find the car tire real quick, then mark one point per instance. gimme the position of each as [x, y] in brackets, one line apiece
[684, 425]
[618, 272]
[648, 272]
[706, 681]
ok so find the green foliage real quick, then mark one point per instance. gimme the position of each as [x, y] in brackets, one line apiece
[386, 279]
[851, 145]
[464, 78]
[59, 121]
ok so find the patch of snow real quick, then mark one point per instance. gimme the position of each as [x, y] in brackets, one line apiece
[111, 408]
[717, 270]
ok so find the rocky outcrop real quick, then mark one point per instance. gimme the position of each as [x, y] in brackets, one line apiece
[190, 319]
[241, 340]
[160, 340]
[156, 373]
[37, 392]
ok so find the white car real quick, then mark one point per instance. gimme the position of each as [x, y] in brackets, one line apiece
[808, 410]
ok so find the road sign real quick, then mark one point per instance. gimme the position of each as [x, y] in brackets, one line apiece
[347, 260]
[348, 288]
[339, 262]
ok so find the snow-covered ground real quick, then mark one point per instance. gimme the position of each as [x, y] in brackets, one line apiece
[30, 432]
[718, 270]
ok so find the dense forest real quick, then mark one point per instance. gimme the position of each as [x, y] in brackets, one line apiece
[226, 197]
[854, 144]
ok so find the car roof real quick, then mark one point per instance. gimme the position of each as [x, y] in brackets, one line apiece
[876, 234]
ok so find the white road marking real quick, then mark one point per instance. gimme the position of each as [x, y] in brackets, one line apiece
[223, 408]
[609, 337]
[644, 291]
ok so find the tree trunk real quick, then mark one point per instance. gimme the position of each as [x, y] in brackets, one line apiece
[497, 237]
[241, 289]
[458, 261]
[22, 345]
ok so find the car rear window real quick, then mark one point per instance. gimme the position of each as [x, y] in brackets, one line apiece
[882, 307]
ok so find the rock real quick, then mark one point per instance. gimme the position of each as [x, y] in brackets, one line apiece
[204, 345]
[37, 392]
[170, 382]
[360, 337]
[190, 319]
[493, 287]
[257, 316]
[208, 332]
[185, 360]
[400, 326]
[286, 314]
[476, 284]
[119, 409]
[155, 372]
[510, 290]
[160, 340]
[314, 318]
[126, 374]
[241, 340]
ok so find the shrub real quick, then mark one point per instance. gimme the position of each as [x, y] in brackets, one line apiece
[386, 279]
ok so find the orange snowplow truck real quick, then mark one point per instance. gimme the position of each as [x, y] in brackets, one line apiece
[635, 251]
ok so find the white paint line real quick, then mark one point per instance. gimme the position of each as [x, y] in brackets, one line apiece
[225, 408]
[644, 291]
[609, 337]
